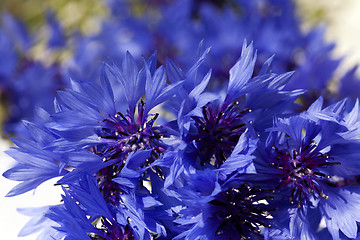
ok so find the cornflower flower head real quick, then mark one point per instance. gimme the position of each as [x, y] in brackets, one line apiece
[128, 140]
[87, 118]
[305, 161]
[214, 126]
[219, 131]
[222, 210]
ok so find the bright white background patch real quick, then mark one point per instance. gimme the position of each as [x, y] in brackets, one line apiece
[11, 222]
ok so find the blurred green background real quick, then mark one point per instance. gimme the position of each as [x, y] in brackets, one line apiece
[81, 14]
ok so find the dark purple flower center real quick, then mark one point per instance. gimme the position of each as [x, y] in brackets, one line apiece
[120, 135]
[242, 210]
[218, 132]
[110, 190]
[302, 172]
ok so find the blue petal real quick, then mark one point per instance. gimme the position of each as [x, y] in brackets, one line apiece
[241, 73]
[299, 225]
[132, 83]
[123, 181]
[26, 186]
[157, 91]
[89, 196]
[175, 170]
[341, 210]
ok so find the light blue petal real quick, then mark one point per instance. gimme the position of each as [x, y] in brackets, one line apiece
[341, 210]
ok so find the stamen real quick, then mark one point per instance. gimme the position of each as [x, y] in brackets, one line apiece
[122, 135]
[322, 174]
[240, 211]
[299, 201]
[122, 116]
[330, 163]
[292, 195]
[231, 106]
[205, 113]
[246, 110]
[295, 154]
[218, 133]
[219, 116]
[308, 187]
[301, 171]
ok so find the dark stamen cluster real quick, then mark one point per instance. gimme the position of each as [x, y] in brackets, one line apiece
[120, 135]
[124, 134]
[302, 172]
[243, 210]
[218, 132]
[111, 190]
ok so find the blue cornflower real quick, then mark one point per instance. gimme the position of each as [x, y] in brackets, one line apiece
[89, 117]
[117, 143]
[305, 162]
[222, 210]
[214, 125]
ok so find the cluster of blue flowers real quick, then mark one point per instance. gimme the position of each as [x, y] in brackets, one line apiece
[208, 145]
